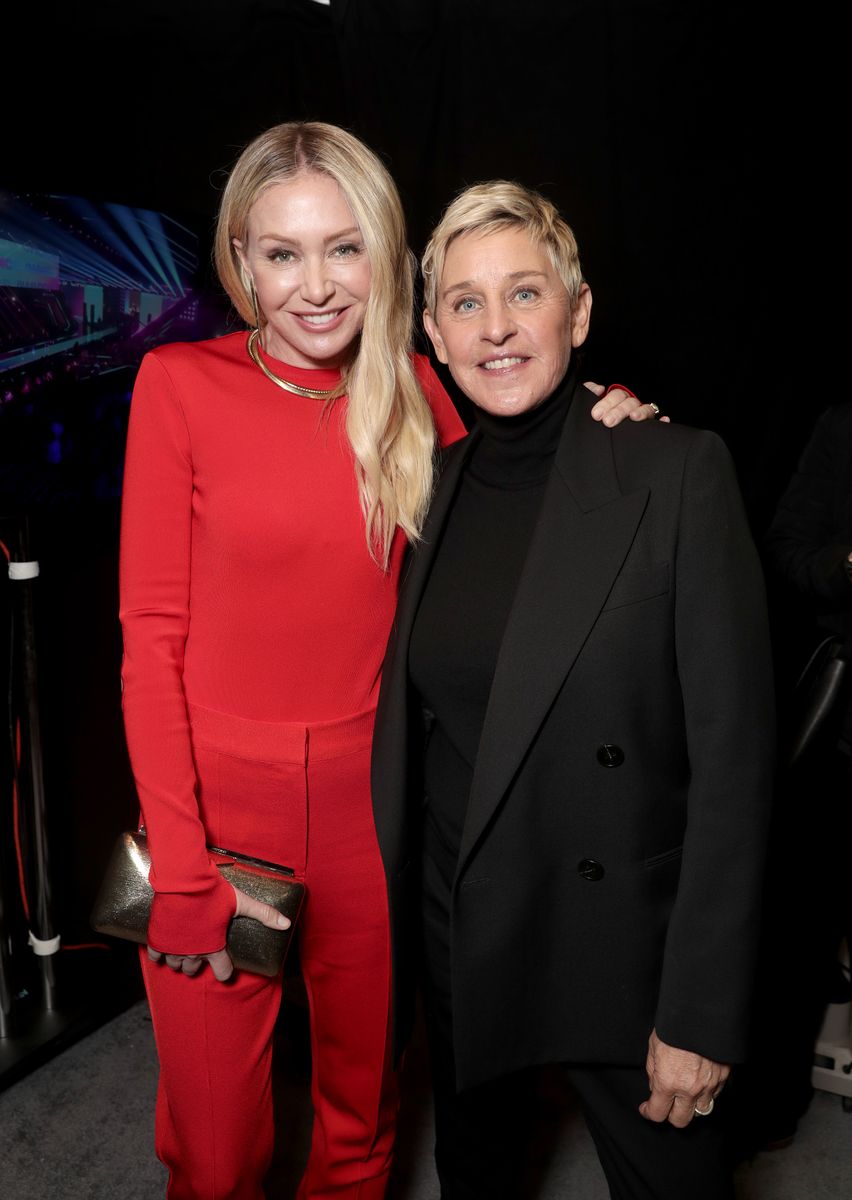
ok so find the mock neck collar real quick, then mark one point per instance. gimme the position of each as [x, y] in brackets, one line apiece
[518, 451]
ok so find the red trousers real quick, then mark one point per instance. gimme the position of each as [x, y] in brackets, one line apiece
[298, 795]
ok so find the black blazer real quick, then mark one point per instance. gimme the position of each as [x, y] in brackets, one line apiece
[610, 866]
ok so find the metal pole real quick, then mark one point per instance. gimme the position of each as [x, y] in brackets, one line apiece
[6, 987]
[23, 571]
[5, 971]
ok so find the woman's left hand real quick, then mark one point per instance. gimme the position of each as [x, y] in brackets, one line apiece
[220, 960]
[682, 1084]
[618, 403]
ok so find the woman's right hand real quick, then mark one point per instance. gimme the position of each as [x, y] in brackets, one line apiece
[220, 960]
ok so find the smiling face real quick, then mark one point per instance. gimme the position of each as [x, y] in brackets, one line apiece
[504, 322]
[311, 272]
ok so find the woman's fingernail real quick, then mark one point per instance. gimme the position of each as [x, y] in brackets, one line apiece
[283, 922]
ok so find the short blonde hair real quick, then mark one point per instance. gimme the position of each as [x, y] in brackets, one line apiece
[502, 204]
[388, 421]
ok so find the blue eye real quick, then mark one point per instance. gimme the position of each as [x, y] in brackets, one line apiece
[525, 294]
[466, 305]
[282, 256]
[347, 250]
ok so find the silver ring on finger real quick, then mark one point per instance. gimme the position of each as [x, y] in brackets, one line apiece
[655, 409]
[705, 1112]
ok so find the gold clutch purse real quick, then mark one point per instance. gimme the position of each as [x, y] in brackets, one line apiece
[123, 905]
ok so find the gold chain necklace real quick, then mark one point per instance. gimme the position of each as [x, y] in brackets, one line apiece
[254, 355]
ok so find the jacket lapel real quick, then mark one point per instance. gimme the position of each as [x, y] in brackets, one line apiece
[583, 533]
[390, 761]
[420, 562]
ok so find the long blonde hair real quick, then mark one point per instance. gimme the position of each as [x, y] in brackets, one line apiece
[388, 422]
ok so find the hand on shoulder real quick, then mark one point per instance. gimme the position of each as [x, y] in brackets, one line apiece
[617, 403]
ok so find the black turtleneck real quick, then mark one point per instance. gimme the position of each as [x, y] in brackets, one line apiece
[467, 598]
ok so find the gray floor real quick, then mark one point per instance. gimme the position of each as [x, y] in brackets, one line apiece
[80, 1128]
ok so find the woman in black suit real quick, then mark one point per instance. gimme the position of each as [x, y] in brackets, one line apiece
[582, 629]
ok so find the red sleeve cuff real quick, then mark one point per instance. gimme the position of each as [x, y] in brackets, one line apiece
[192, 924]
[612, 387]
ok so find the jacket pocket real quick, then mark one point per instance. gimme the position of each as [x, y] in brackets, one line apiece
[637, 584]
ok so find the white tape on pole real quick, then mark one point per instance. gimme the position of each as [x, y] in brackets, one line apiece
[43, 949]
[23, 570]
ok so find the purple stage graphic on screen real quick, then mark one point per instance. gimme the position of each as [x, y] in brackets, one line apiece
[86, 288]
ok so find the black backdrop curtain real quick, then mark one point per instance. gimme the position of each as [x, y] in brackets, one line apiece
[678, 136]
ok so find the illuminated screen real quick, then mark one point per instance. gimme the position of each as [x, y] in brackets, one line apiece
[86, 288]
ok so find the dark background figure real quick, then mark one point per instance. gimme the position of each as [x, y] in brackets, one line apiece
[808, 902]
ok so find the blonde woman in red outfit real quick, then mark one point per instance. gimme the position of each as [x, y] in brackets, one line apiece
[272, 480]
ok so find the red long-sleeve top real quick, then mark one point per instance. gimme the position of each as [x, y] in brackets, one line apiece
[246, 586]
